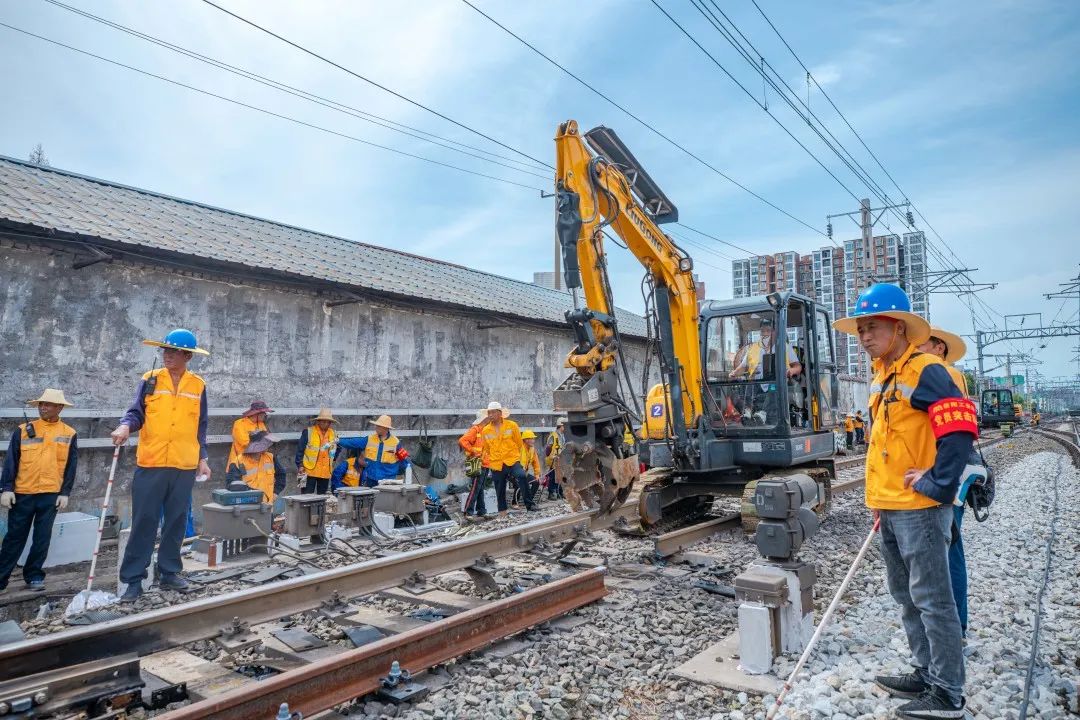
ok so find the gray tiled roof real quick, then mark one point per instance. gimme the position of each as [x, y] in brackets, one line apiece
[51, 199]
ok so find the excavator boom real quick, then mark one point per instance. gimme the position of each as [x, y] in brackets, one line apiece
[599, 185]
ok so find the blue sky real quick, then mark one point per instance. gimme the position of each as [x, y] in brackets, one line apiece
[970, 105]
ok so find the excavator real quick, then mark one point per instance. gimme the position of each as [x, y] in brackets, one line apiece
[747, 388]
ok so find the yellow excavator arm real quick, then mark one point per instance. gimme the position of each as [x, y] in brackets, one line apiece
[600, 185]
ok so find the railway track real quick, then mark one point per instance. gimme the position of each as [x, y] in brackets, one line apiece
[99, 669]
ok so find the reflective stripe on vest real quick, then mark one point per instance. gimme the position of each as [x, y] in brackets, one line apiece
[169, 436]
[389, 445]
[42, 458]
[901, 437]
[314, 459]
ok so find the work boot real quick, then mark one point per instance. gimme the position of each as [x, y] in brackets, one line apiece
[132, 592]
[36, 585]
[532, 508]
[173, 581]
[905, 686]
[933, 704]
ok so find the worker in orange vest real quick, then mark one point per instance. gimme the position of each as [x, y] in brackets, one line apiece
[315, 452]
[39, 472]
[169, 412]
[476, 467]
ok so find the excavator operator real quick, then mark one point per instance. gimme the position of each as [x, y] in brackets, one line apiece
[748, 362]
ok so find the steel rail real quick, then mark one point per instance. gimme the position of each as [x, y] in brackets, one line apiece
[668, 544]
[177, 625]
[333, 681]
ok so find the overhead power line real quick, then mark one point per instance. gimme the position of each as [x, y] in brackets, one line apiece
[865, 146]
[373, 83]
[636, 118]
[269, 112]
[308, 96]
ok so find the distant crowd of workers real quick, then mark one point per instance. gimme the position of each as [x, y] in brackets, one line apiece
[170, 414]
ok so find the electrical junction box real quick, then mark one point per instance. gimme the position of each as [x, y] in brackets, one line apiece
[236, 522]
[400, 499]
[356, 505]
[305, 515]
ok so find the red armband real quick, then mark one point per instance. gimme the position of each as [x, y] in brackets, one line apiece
[953, 415]
[402, 453]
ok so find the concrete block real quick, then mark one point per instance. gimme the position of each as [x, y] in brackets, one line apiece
[73, 537]
[719, 665]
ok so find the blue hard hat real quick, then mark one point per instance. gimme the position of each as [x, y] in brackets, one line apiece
[888, 300]
[179, 339]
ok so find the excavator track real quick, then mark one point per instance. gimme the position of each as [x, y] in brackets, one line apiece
[685, 511]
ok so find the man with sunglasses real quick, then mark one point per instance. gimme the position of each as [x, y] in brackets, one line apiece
[921, 436]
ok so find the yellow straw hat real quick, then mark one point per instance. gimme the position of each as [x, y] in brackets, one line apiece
[383, 421]
[51, 395]
[955, 347]
[325, 414]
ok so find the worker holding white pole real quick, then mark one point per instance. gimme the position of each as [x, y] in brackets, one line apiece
[921, 436]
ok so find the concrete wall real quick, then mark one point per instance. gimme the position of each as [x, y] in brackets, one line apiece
[80, 330]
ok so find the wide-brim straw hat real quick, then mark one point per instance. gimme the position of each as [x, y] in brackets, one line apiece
[260, 443]
[51, 395]
[383, 421]
[494, 405]
[324, 414]
[955, 346]
[481, 416]
[257, 406]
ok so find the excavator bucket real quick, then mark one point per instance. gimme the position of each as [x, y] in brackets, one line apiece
[594, 478]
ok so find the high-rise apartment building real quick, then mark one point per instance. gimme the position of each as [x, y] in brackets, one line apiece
[834, 276]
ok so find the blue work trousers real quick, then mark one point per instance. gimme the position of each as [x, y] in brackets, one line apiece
[515, 473]
[915, 545]
[37, 510]
[958, 568]
[158, 495]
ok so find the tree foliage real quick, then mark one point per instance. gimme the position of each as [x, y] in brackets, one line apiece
[37, 156]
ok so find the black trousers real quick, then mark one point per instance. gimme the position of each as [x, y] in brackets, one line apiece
[159, 496]
[316, 485]
[516, 473]
[37, 510]
[475, 503]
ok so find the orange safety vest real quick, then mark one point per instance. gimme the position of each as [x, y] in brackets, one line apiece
[42, 458]
[352, 473]
[530, 461]
[169, 436]
[849, 424]
[473, 443]
[901, 437]
[502, 446]
[241, 436]
[389, 445]
[319, 451]
[257, 472]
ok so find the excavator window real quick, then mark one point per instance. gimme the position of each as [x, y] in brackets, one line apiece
[740, 368]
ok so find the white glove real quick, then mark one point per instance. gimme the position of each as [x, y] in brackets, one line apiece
[7, 499]
[61, 502]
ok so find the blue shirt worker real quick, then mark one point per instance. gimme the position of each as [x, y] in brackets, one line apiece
[169, 412]
[38, 474]
[920, 439]
[380, 456]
